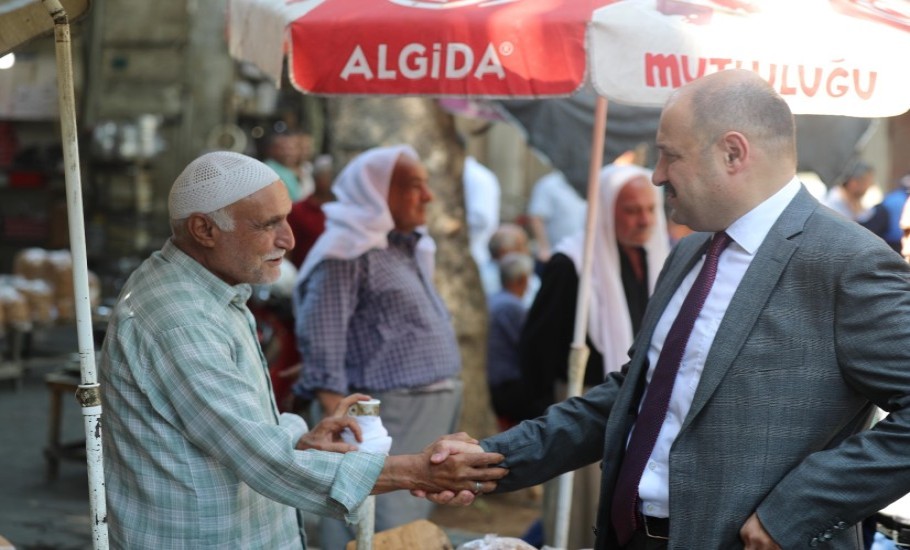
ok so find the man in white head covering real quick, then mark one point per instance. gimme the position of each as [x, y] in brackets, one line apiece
[630, 247]
[369, 318]
[196, 454]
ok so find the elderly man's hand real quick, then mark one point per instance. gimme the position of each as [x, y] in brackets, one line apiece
[449, 446]
[326, 436]
[451, 470]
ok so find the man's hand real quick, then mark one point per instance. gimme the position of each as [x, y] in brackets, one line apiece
[755, 537]
[326, 436]
[451, 470]
[452, 444]
[440, 450]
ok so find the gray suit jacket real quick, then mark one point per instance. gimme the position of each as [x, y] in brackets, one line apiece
[817, 332]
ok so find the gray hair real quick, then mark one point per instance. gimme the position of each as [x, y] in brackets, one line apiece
[509, 237]
[221, 218]
[513, 266]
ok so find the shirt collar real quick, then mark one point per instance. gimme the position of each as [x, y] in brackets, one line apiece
[221, 290]
[406, 241]
[750, 230]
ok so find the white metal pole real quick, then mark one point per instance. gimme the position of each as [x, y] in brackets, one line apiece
[578, 357]
[366, 523]
[88, 394]
[366, 527]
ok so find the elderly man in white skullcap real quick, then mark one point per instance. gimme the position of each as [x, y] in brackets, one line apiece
[196, 454]
[370, 320]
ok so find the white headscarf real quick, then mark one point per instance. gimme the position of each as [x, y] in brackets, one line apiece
[360, 220]
[609, 323]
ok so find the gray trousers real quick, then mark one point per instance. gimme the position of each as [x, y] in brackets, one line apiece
[414, 420]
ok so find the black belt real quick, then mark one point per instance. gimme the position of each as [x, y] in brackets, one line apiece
[655, 528]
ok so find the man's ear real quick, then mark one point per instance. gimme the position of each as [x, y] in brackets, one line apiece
[736, 151]
[202, 229]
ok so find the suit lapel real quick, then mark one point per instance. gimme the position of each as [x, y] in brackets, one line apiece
[751, 296]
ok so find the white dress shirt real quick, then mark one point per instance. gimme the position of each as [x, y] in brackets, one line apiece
[748, 233]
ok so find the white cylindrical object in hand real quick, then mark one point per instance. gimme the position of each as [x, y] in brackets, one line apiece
[376, 438]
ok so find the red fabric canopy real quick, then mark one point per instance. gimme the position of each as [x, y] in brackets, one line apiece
[492, 48]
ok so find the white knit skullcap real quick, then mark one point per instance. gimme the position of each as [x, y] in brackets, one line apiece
[216, 180]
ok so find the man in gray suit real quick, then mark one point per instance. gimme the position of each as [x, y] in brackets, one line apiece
[763, 444]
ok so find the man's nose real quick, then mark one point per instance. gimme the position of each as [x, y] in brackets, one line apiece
[285, 238]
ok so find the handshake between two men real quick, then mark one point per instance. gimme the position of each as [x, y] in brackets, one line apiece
[451, 470]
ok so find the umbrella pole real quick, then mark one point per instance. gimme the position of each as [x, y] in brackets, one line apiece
[578, 357]
[88, 394]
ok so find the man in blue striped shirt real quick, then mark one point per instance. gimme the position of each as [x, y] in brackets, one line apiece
[370, 320]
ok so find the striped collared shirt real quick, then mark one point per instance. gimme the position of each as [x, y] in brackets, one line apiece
[195, 452]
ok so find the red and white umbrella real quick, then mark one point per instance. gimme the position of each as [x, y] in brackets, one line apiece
[831, 57]
[837, 57]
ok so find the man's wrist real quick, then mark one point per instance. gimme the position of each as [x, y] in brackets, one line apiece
[328, 399]
[397, 473]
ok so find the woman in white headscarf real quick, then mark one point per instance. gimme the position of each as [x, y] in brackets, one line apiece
[630, 246]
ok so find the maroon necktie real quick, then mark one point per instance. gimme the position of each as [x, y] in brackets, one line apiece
[657, 398]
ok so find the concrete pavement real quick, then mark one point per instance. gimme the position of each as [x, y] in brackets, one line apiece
[36, 513]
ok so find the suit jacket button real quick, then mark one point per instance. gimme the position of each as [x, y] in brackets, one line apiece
[827, 536]
[841, 525]
[813, 543]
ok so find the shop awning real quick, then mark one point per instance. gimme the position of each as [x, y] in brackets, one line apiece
[22, 20]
